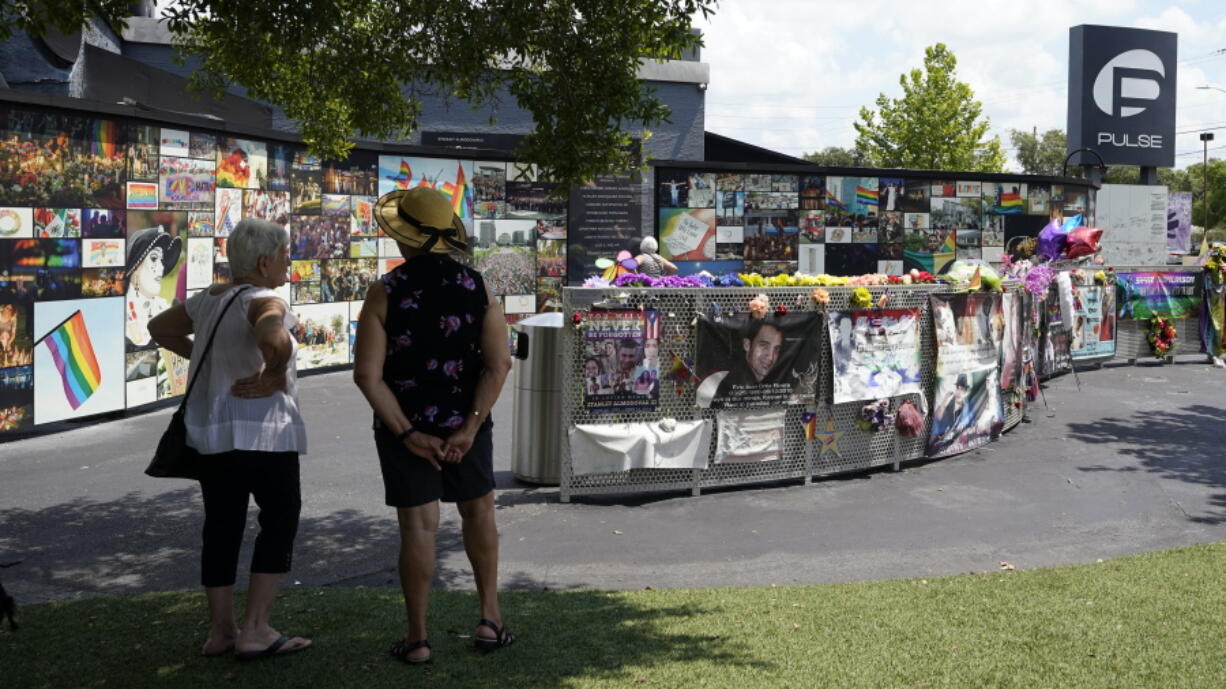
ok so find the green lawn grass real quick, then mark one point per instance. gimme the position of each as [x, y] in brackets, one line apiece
[1153, 620]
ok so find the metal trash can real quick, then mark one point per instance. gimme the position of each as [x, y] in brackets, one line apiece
[536, 438]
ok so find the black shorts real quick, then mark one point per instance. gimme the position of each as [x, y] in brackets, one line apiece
[409, 480]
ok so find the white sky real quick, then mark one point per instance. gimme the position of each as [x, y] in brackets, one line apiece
[791, 75]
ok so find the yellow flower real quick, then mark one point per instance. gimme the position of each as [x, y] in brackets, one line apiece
[861, 298]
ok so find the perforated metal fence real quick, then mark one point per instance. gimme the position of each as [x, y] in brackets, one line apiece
[801, 459]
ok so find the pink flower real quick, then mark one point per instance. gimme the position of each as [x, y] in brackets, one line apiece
[759, 306]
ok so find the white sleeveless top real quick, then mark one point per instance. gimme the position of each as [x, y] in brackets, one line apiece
[216, 420]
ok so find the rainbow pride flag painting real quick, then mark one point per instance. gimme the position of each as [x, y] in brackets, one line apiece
[73, 354]
[460, 193]
[833, 201]
[866, 196]
[104, 134]
[1011, 203]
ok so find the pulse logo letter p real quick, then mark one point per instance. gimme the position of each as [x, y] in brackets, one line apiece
[1129, 83]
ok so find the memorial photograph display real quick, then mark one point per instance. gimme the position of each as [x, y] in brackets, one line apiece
[119, 219]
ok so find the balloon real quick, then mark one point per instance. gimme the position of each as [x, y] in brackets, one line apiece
[1070, 223]
[603, 262]
[1051, 241]
[1083, 241]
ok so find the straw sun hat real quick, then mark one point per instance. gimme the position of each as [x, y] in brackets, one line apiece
[421, 218]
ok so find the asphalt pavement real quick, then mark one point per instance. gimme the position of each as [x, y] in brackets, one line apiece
[1131, 462]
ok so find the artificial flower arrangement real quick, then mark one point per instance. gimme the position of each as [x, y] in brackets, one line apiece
[704, 279]
[1105, 278]
[1215, 266]
[759, 305]
[1161, 335]
[875, 416]
[861, 298]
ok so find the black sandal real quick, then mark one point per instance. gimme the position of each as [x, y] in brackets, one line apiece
[502, 637]
[400, 650]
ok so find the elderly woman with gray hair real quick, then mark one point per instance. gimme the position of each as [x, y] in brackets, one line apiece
[242, 416]
[652, 263]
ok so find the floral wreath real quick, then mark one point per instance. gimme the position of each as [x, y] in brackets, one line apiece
[1161, 335]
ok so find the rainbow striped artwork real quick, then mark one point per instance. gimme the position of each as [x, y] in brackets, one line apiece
[73, 355]
[460, 193]
[104, 134]
[1010, 203]
[865, 196]
[834, 202]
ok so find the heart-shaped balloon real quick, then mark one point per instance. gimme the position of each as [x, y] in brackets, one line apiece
[1070, 223]
[1083, 241]
[1051, 241]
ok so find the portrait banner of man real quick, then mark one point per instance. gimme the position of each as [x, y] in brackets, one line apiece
[745, 362]
[967, 411]
[621, 361]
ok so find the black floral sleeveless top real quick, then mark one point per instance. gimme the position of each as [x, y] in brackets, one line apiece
[435, 309]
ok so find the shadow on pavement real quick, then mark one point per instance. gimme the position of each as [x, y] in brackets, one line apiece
[142, 543]
[1184, 445]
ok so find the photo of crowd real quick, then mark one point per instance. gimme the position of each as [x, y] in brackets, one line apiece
[346, 279]
[770, 239]
[508, 269]
[322, 332]
[319, 236]
[102, 282]
[535, 200]
[306, 187]
[267, 205]
[550, 258]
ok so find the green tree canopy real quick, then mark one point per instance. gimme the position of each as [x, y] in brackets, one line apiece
[835, 156]
[1039, 154]
[362, 68]
[936, 125]
[340, 67]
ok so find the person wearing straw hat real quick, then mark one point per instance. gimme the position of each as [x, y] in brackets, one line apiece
[431, 357]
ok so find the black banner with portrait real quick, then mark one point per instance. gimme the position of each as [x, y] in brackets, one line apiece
[745, 362]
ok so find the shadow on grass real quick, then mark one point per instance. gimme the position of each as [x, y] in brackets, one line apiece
[564, 639]
[142, 543]
[1183, 444]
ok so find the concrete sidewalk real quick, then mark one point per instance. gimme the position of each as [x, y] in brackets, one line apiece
[1133, 462]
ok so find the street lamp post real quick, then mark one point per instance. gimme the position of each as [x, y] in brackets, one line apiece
[1205, 138]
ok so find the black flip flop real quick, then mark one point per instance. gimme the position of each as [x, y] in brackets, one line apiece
[502, 637]
[400, 650]
[274, 649]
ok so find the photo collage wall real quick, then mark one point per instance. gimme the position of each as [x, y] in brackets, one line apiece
[785, 223]
[105, 222]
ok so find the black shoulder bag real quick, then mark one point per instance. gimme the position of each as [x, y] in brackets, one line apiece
[174, 458]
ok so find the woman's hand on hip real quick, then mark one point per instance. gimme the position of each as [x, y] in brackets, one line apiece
[262, 384]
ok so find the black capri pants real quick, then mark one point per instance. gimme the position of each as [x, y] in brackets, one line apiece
[227, 482]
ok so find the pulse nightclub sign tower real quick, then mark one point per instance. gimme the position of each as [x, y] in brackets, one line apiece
[1121, 98]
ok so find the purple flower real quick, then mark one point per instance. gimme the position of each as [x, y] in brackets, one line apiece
[466, 281]
[1038, 279]
[449, 324]
[452, 368]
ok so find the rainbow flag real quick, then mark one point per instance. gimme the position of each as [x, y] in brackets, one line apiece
[73, 354]
[104, 139]
[866, 196]
[1011, 203]
[831, 200]
[459, 193]
[406, 175]
[948, 246]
